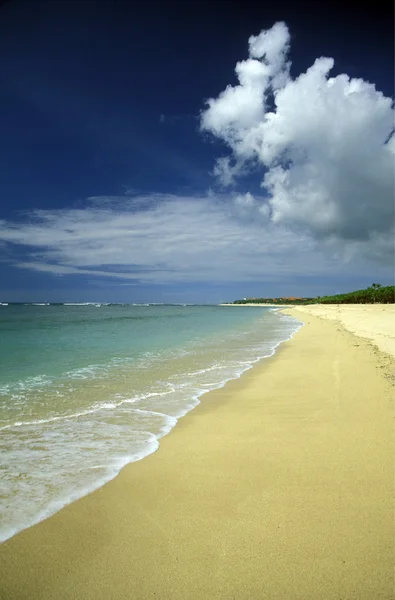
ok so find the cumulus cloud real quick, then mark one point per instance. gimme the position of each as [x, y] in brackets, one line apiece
[325, 146]
[164, 239]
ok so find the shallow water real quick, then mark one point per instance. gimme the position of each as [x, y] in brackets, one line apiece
[86, 389]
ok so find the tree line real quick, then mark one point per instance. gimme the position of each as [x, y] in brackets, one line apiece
[374, 294]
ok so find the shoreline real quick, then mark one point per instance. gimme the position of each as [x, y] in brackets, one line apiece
[373, 322]
[125, 461]
[369, 321]
[260, 305]
[262, 488]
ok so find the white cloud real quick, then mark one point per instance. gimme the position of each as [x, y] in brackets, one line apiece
[320, 142]
[163, 238]
[325, 150]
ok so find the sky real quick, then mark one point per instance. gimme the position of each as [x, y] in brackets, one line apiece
[192, 151]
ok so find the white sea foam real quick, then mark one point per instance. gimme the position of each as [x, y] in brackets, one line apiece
[26, 384]
[96, 408]
[25, 517]
[80, 303]
[87, 372]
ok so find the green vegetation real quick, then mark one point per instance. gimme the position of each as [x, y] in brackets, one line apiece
[376, 293]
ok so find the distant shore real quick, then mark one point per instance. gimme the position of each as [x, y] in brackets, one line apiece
[279, 485]
[259, 305]
[375, 322]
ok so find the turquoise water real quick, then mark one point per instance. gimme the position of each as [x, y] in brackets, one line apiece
[86, 389]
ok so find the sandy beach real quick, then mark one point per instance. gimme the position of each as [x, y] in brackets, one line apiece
[279, 486]
[375, 322]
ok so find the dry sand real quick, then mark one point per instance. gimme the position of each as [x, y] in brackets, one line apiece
[280, 486]
[375, 322]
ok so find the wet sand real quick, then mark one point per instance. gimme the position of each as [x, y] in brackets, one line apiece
[279, 486]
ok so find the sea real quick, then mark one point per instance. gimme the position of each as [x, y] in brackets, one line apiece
[86, 388]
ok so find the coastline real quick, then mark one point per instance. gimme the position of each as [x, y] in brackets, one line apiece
[260, 305]
[263, 490]
[209, 376]
[374, 322]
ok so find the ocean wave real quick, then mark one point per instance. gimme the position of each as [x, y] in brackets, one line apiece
[96, 408]
[25, 384]
[31, 510]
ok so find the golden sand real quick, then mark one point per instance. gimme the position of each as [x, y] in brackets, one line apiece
[376, 322]
[280, 486]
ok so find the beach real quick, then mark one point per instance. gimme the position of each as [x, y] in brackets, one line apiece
[280, 485]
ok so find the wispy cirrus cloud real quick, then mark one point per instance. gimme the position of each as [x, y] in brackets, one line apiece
[166, 239]
[324, 144]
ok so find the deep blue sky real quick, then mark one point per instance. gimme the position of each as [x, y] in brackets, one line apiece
[103, 99]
